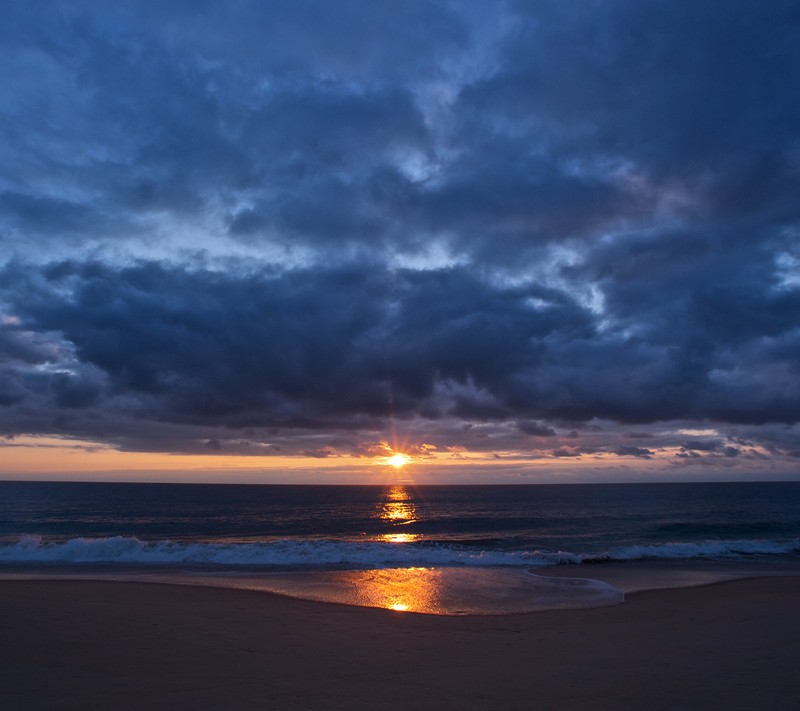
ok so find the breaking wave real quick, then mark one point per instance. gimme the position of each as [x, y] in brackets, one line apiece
[368, 554]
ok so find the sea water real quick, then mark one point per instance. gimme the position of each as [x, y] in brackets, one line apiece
[438, 549]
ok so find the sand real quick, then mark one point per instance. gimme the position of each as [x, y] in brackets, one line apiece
[112, 645]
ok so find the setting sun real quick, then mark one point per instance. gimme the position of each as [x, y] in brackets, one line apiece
[398, 460]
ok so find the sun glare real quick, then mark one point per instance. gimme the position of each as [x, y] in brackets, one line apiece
[398, 460]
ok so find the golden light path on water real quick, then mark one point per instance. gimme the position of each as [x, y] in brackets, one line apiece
[437, 590]
[430, 589]
[424, 587]
[397, 508]
[441, 590]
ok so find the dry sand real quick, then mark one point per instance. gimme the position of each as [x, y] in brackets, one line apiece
[109, 645]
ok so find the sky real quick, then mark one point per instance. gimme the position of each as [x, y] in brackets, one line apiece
[518, 241]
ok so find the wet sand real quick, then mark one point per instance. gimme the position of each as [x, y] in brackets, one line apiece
[114, 645]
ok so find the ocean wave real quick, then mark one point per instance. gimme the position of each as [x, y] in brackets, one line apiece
[121, 549]
[325, 553]
[708, 550]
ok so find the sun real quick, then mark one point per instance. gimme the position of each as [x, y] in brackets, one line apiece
[398, 460]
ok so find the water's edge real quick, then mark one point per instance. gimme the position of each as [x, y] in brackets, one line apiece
[442, 591]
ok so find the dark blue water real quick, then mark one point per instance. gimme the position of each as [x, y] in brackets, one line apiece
[364, 526]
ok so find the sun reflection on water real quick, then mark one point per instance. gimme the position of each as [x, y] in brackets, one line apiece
[399, 537]
[397, 508]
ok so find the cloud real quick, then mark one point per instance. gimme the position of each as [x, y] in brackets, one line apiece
[307, 346]
[629, 451]
[535, 429]
[315, 217]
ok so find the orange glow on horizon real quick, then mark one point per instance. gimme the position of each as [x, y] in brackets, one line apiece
[52, 458]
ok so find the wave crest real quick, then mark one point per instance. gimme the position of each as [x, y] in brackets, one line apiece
[121, 549]
[325, 553]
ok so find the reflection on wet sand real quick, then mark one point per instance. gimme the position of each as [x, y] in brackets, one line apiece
[403, 589]
[445, 591]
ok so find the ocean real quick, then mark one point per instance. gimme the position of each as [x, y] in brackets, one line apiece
[449, 549]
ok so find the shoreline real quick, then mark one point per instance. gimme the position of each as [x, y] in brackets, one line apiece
[433, 589]
[71, 644]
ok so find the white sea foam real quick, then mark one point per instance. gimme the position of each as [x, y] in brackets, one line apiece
[119, 549]
[321, 553]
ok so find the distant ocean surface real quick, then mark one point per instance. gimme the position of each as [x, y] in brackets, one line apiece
[291, 528]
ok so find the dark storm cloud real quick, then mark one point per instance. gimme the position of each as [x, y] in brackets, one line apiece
[676, 86]
[292, 346]
[320, 346]
[688, 108]
[18, 344]
[535, 429]
[348, 38]
[537, 213]
[629, 451]
[34, 214]
[293, 122]
[145, 120]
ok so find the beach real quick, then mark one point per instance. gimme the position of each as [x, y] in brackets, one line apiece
[118, 645]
